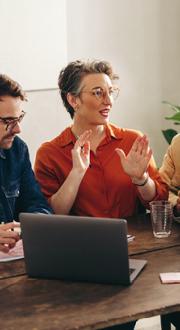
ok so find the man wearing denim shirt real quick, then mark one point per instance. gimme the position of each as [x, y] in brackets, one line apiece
[19, 191]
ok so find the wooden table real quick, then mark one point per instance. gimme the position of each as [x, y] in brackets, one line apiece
[141, 228]
[38, 304]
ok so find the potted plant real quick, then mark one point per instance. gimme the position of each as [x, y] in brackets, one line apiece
[170, 133]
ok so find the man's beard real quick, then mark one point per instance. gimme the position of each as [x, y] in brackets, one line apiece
[4, 144]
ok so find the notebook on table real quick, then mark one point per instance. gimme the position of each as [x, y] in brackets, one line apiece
[78, 249]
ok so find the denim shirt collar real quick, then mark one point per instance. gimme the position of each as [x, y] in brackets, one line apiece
[2, 154]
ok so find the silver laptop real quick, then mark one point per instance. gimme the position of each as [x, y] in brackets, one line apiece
[78, 249]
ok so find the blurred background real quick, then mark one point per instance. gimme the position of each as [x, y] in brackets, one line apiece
[141, 39]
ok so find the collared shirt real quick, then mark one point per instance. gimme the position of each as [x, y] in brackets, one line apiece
[105, 190]
[19, 190]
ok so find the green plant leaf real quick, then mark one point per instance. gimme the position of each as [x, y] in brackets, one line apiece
[169, 134]
[175, 117]
[172, 106]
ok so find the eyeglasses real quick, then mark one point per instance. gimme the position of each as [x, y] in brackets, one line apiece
[101, 94]
[11, 122]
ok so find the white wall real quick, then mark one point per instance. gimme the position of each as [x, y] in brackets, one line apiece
[44, 120]
[170, 57]
[33, 41]
[170, 45]
[141, 40]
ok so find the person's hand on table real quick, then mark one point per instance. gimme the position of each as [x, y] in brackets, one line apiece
[8, 237]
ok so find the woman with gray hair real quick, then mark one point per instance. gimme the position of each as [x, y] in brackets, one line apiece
[95, 168]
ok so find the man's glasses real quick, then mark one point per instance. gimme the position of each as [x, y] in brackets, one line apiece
[101, 94]
[11, 122]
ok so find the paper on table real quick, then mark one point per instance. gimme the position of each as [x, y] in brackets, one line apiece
[14, 254]
[173, 277]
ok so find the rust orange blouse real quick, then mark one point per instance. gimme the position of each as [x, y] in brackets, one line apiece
[105, 191]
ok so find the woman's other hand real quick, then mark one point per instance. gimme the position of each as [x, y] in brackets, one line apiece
[135, 164]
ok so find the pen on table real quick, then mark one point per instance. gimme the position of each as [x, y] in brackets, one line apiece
[130, 237]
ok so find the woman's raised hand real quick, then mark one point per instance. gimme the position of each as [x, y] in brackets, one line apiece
[136, 162]
[81, 152]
